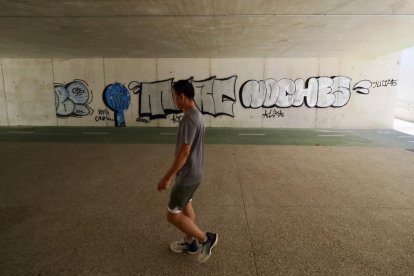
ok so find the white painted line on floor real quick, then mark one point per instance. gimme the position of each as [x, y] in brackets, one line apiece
[404, 136]
[252, 134]
[410, 141]
[94, 133]
[21, 132]
[333, 131]
[167, 133]
[336, 135]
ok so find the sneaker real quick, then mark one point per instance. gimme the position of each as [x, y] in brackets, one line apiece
[183, 246]
[207, 246]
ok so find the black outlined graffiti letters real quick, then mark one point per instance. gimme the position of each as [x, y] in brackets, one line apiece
[155, 98]
[72, 99]
[215, 96]
[203, 95]
[315, 92]
[212, 96]
[333, 91]
[362, 87]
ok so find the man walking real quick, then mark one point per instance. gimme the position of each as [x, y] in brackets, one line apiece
[187, 168]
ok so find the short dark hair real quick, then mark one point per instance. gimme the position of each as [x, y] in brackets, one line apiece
[184, 87]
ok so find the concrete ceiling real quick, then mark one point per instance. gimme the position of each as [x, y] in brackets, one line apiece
[204, 28]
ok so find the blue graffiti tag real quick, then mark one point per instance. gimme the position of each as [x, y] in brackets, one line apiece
[116, 97]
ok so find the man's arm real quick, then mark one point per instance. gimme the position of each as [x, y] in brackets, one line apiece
[178, 163]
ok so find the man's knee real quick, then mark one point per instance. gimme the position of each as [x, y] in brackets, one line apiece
[173, 217]
[189, 213]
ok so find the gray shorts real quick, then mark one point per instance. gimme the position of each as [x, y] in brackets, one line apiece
[180, 196]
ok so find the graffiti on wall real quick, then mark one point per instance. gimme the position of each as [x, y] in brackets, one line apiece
[314, 92]
[103, 115]
[272, 113]
[73, 99]
[363, 86]
[319, 92]
[154, 98]
[116, 97]
[384, 83]
[213, 96]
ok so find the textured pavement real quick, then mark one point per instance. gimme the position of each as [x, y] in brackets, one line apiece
[92, 208]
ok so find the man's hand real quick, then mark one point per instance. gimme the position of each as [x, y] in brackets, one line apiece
[164, 184]
[178, 163]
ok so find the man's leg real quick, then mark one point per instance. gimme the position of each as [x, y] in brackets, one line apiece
[186, 225]
[184, 219]
[189, 212]
[181, 212]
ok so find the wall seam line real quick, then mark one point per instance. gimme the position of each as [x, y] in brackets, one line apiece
[104, 85]
[263, 78]
[53, 79]
[5, 94]
[315, 122]
[157, 79]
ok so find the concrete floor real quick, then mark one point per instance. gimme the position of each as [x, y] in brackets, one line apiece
[93, 209]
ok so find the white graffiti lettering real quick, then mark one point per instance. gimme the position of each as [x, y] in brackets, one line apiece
[72, 99]
[212, 96]
[362, 87]
[315, 92]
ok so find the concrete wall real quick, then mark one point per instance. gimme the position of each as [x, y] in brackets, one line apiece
[27, 86]
[405, 95]
[273, 92]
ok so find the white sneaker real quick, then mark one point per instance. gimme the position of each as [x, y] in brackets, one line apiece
[207, 247]
[183, 246]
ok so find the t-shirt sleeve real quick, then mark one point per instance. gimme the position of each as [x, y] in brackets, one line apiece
[188, 131]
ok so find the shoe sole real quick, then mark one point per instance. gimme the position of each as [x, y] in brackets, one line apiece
[179, 252]
[209, 252]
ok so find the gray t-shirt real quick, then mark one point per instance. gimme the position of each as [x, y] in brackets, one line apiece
[191, 132]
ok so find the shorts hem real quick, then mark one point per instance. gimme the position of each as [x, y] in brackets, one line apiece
[175, 210]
